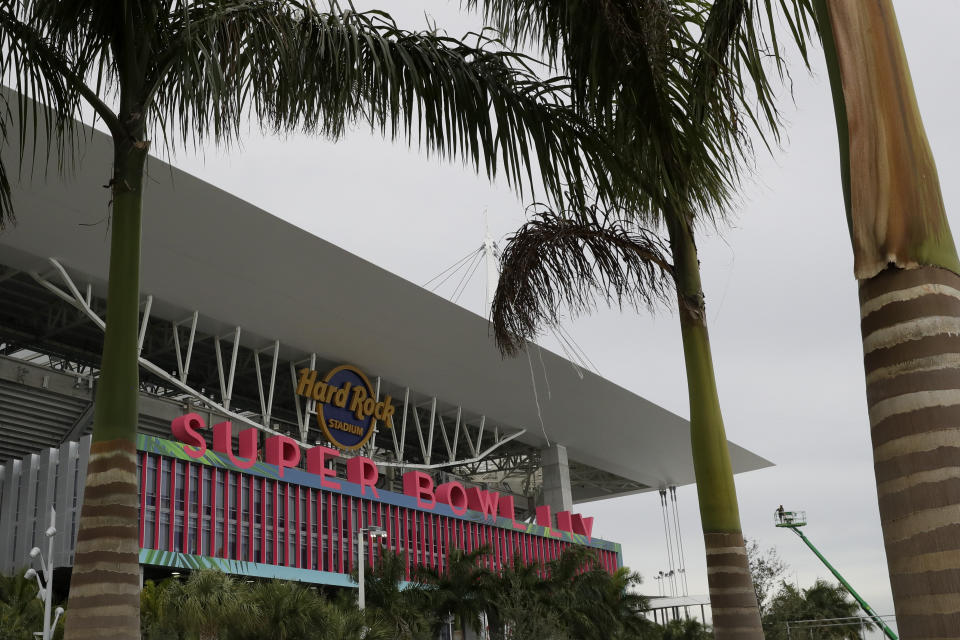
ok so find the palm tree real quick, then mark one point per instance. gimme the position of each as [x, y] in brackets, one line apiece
[626, 605]
[826, 600]
[460, 589]
[822, 601]
[520, 604]
[907, 267]
[157, 619]
[190, 71]
[517, 591]
[688, 629]
[286, 611]
[210, 602]
[21, 613]
[668, 83]
[593, 603]
[342, 622]
[399, 607]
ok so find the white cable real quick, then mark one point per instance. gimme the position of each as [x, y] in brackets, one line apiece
[467, 277]
[536, 399]
[455, 267]
[545, 377]
[668, 537]
[570, 357]
[577, 356]
[681, 556]
[583, 353]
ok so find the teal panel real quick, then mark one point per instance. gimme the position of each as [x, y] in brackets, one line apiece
[239, 567]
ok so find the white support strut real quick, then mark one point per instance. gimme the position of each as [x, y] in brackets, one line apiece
[81, 302]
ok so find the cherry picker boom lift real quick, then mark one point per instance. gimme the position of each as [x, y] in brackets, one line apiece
[793, 520]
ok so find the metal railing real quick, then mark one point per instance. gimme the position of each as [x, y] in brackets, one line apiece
[810, 629]
[789, 518]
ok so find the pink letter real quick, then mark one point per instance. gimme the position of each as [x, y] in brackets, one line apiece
[583, 526]
[453, 494]
[185, 428]
[363, 471]
[543, 516]
[483, 501]
[317, 463]
[223, 443]
[507, 511]
[283, 452]
[564, 522]
[420, 485]
[544, 520]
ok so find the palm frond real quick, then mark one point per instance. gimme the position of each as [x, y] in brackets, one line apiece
[614, 51]
[6, 198]
[567, 259]
[192, 71]
[295, 67]
[629, 64]
[678, 85]
[43, 103]
[739, 49]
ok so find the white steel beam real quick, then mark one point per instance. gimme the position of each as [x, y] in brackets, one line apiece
[446, 440]
[397, 446]
[372, 444]
[226, 383]
[441, 465]
[456, 432]
[143, 325]
[193, 334]
[226, 379]
[433, 415]
[266, 402]
[416, 423]
[303, 415]
[483, 422]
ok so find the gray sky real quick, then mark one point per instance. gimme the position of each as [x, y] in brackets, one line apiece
[781, 296]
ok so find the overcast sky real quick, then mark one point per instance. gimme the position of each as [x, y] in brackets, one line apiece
[781, 296]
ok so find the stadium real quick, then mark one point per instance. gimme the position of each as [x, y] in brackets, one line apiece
[254, 326]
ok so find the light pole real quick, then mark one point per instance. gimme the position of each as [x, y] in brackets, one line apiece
[449, 622]
[45, 586]
[373, 532]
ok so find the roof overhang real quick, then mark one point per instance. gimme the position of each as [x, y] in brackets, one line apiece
[206, 249]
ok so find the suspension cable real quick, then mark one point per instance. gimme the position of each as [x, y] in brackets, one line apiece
[667, 536]
[680, 553]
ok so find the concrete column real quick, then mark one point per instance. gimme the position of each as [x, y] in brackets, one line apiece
[27, 522]
[9, 516]
[47, 477]
[64, 500]
[556, 479]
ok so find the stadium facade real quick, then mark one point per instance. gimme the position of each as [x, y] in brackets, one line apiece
[294, 395]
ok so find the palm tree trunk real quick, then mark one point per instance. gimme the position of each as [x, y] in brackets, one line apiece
[105, 584]
[733, 600]
[907, 265]
[910, 320]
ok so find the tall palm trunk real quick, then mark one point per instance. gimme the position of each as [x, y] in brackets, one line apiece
[733, 600]
[105, 585]
[907, 265]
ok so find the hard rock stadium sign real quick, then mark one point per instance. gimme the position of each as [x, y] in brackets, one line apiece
[347, 409]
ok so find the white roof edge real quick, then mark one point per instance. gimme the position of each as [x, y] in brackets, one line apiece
[206, 249]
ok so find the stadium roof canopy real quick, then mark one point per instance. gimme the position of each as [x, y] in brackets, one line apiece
[207, 250]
